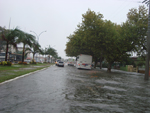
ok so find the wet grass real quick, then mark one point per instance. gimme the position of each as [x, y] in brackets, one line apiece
[123, 68]
[10, 72]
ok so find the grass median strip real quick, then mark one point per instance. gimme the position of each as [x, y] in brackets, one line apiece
[10, 72]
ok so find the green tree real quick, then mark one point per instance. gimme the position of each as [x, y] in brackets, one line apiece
[105, 40]
[26, 39]
[111, 46]
[35, 48]
[140, 61]
[44, 52]
[10, 37]
[93, 25]
[138, 21]
[87, 38]
[2, 42]
[51, 51]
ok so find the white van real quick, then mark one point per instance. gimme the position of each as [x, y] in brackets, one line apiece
[84, 61]
[71, 62]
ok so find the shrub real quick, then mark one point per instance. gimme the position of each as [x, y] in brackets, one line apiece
[32, 62]
[19, 62]
[9, 63]
[6, 63]
[104, 65]
[24, 63]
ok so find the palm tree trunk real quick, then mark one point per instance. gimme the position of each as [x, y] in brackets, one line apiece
[6, 51]
[23, 53]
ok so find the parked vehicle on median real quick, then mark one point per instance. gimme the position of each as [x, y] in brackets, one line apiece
[84, 61]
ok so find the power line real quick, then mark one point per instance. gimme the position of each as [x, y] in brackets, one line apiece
[121, 8]
[117, 10]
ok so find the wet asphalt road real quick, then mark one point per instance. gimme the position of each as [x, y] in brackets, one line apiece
[69, 90]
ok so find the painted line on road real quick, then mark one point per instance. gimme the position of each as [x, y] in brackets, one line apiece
[23, 76]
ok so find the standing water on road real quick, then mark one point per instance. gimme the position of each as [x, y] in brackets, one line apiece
[69, 90]
[99, 91]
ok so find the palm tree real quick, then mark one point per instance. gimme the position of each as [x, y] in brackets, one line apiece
[35, 48]
[10, 37]
[26, 39]
[44, 52]
[2, 42]
[51, 51]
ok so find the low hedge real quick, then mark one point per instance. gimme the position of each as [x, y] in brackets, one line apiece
[24, 63]
[6, 63]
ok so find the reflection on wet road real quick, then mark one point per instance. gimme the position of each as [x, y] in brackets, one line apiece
[69, 90]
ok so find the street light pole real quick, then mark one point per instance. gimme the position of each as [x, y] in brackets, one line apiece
[38, 35]
[37, 38]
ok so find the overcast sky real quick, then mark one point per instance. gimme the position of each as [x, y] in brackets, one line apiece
[59, 18]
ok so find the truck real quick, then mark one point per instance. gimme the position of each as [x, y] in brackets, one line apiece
[71, 62]
[84, 61]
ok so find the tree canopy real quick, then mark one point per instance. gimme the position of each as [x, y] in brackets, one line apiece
[105, 39]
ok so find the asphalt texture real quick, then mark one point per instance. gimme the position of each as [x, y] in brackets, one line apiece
[70, 90]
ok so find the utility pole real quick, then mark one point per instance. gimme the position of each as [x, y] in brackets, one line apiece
[38, 42]
[148, 44]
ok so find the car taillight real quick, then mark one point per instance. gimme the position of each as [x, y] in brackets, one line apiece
[79, 64]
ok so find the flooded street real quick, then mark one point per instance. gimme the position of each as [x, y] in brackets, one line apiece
[69, 90]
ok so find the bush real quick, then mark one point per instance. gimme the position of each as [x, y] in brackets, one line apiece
[104, 65]
[20, 62]
[32, 62]
[24, 63]
[6, 63]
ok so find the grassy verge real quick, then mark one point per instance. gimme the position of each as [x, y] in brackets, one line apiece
[10, 72]
[123, 68]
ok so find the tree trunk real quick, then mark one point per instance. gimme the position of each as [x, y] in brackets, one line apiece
[45, 57]
[95, 63]
[6, 51]
[101, 60]
[109, 67]
[23, 53]
[33, 57]
[100, 65]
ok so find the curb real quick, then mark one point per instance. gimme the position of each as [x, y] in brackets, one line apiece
[21, 76]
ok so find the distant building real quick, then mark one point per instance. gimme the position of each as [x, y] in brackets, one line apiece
[12, 54]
